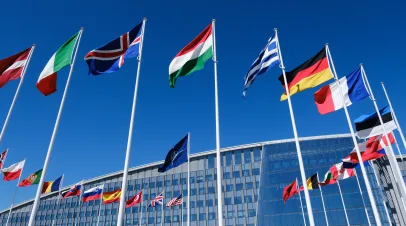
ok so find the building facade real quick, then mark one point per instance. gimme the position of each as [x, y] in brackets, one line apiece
[253, 177]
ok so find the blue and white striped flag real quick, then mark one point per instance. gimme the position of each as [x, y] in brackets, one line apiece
[268, 57]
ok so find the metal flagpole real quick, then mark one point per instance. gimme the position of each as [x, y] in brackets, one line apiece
[181, 215]
[162, 214]
[342, 201]
[51, 143]
[299, 152]
[301, 204]
[354, 139]
[58, 200]
[394, 116]
[218, 155]
[188, 182]
[141, 214]
[98, 216]
[391, 156]
[82, 188]
[14, 198]
[322, 200]
[259, 190]
[380, 190]
[17, 92]
[362, 197]
[130, 133]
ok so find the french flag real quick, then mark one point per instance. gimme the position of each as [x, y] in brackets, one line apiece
[93, 194]
[329, 99]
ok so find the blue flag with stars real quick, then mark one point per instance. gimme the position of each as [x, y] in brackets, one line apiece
[176, 156]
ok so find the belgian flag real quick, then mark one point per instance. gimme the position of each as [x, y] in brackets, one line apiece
[311, 73]
[312, 182]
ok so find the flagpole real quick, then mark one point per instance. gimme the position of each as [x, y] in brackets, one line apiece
[181, 215]
[322, 200]
[162, 214]
[15, 194]
[188, 182]
[51, 143]
[298, 149]
[58, 200]
[130, 132]
[391, 156]
[380, 191]
[394, 116]
[101, 200]
[141, 214]
[259, 190]
[80, 202]
[16, 93]
[362, 197]
[354, 139]
[342, 201]
[301, 204]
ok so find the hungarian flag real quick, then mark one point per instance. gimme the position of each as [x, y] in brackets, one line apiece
[134, 200]
[3, 158]
[13, 172]
[46, 83]
[31, 179]
[192, 57]
[311, 73]
[110, 197]
[11, 68]
[289, 191]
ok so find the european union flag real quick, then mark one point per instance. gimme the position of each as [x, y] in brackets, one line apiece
[176, 156]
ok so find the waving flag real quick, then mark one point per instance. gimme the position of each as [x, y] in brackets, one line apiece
[73, 191]
[112, 196]
[92, 194]
[13, 172]
[175, 202]
[31, 179]
[134, 200]
[52, 186]
[110, 57]
[369, 125]
[176, 156]
[3, 158]
[157, 200]
[337, 172]
[289, 191]
[268, 58]
[11, 68]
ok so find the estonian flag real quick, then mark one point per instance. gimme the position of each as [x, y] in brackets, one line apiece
[369, 125]
[176, 156]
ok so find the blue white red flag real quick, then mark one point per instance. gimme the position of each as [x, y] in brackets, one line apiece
[73, 191]
[110, 57]
[157, 200]
[93, 194]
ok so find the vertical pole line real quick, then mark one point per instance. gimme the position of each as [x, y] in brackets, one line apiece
[259, 189]
[380, 190]
[391, 155]
[15, 195]
[322, 200]
[342, 201]
[181, 214]
[51, 143]
[218, 154]
[163, 215]
[362, 197]
[188, 182]
[301, 204]
[354, 139]
[80, 202]
[121, 209]
[394, 116]
[58, 200]
[299, 152]
[98, 216]
[16, 93]
[141, 214]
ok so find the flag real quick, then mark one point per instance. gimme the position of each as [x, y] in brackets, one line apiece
[110, 57]
[92, 194]
[369, 125]
[51, 186]
[46, 83]
[112, 196]
[311, 73]
[11, 68]
[157, 200]
[73, 191]
[289, 191]
[14, 171]
[192, 57]
[337, 172]
[134, 200]
[175, 201]
[176, 156]
[329, 98]
[312, 182]
[328, 179]
[3, 158]
[31, 179]
[269, 57]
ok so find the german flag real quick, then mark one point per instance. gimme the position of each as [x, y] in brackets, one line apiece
[312, 182]
[311, 73]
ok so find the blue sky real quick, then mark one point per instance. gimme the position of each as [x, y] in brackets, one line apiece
[92, 136]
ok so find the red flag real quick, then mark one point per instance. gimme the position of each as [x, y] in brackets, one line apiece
[3, 158]
[13, 172]
[134, 200]
[289, 191]
[12, 67]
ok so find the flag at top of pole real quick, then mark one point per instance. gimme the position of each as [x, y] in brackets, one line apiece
[176, 156]
[3, 158]
[11, 68]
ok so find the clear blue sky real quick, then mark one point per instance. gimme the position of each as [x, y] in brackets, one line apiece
[92, 136]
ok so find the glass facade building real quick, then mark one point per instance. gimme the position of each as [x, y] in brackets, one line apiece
[253, 177]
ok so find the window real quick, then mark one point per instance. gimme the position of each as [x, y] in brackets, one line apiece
[247, 156]
[202, 217]
[237, 200]
[209, 202]
[210, 161]
[239, 186]
[236, 174]
[229, 187]
[229, 158]
[257, 155]
[228, 201]
[249, 185]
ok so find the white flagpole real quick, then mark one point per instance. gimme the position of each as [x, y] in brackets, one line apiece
[121, 209]
[380, 190]
[298, 150]
[16, 93]
[188, 182]
[391, 156]
[141, 214]
[259, 190]
[322, 200]
[301, 204]
[51, 143]
[58, 200]
[354, 139]
[218, 155]
[394, 116]
[15, 194]
[98, 216]
[342, 201]
[362, 197]
[82, 188]
[162, 214]
[181, 214]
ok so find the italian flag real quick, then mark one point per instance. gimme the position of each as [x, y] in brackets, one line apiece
[46, 83]
[14, 171]
[31, 179]
[192, 57]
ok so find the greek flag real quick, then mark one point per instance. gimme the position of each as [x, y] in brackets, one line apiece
[268, 57]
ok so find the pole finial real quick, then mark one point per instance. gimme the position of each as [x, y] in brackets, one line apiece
[213, 20]
[144, 19]
[82, 28]
[275, 29]
[382, 83]
[34, 44]
[361, 64]
[326, 44]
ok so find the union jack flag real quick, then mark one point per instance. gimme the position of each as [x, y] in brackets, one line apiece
[110, 57]
[157, 200]
[175, 202]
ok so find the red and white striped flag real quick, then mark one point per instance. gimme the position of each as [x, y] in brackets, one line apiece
[13, 172]
[175, 202]
[11, 68]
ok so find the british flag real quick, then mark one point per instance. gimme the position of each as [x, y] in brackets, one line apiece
[157, 200]
[110, 57]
